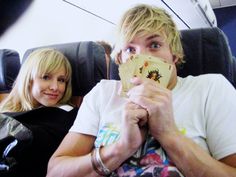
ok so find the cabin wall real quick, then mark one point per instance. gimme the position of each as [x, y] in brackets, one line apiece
[226, 20]
[49, 22]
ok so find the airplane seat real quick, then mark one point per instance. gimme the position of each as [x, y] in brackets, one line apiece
[9, 68]
[114, 73]
[88, 64]
[206, 51]
[234, 70]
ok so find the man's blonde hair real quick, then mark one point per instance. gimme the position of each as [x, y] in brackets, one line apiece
[144, 19]
[40, 62]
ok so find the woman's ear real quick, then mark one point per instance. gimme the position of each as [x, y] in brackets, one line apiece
[30, 85]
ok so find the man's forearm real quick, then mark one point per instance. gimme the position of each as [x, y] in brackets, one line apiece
[192, 160]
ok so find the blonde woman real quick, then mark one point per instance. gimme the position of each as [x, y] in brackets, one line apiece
[186, 129]
[40, 100]
[44, 80]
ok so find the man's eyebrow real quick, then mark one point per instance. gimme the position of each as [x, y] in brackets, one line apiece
[153, 36]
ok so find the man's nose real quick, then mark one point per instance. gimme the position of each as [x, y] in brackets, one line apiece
[143, 51]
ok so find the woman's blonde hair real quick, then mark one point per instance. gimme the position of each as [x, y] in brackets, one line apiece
[144, 19]
[40, 62]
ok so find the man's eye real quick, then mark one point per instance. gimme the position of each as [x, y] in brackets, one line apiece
[155, 45]
[130, 50]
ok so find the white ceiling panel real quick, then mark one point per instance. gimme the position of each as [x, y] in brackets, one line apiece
[215, 3]
[222, 3]
[228, 2]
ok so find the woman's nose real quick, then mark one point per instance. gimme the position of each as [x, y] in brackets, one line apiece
[54, 85]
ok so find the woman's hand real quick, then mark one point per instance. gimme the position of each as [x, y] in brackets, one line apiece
[157, 100]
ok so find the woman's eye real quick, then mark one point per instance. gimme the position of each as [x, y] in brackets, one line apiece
[62, 80]
[155, 45]
[46, 77]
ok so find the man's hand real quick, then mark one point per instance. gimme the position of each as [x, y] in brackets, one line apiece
[157, 100]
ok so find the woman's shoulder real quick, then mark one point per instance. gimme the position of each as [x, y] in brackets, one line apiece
[65, 107]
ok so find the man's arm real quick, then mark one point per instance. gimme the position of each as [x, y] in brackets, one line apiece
[193, 161]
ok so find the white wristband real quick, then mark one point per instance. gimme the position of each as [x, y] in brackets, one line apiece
[102, 166]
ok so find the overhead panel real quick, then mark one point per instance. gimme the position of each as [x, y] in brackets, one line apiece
[186, 14]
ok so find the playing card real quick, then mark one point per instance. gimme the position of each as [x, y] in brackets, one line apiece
[126, 72]
[146, 67]
[154, 68]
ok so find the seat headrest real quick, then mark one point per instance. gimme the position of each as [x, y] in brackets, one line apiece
[234, 71]
[206, 51]
[88, 64]
[9, 68]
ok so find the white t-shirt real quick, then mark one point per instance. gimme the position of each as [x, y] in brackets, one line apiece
[204, 109]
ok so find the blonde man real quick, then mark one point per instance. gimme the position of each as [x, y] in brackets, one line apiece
[156, 131]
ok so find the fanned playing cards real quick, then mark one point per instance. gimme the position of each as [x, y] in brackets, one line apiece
[146, 67]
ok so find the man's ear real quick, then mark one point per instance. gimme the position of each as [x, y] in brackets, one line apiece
[175, 59]
[118, 58]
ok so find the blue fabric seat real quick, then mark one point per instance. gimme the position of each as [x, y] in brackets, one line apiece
[9, 68]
